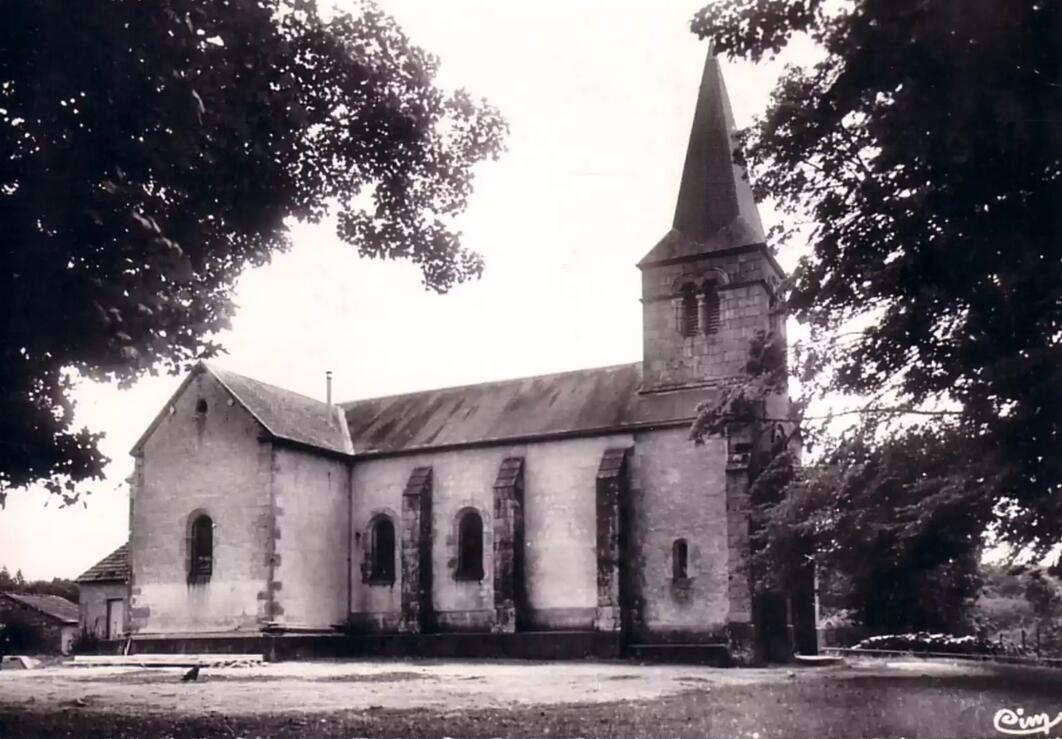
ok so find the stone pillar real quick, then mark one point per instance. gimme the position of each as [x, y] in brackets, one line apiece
[611, 489]
[702, 313]
[509, 586]
[416, 538]
[135, 615]
[739, 551]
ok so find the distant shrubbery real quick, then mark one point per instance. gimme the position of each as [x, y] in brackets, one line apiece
[923, 641]
[56, 586]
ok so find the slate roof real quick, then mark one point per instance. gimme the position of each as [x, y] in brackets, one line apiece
[715, 209]
[112, 568]
[53, 606]
[282, 413]
[286, 414]
[584, 402]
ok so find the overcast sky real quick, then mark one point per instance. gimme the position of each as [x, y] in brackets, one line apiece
[599, 103]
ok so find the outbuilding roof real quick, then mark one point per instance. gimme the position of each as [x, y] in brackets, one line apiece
[52, 606]
[112, 568]
[583, 402]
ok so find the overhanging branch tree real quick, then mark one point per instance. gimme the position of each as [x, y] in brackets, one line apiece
[150, 151]
[925, 153]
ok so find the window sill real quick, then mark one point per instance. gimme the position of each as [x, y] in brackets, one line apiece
[468, 576]
[380, 581]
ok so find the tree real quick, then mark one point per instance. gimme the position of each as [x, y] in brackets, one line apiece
[892, 521]
[1023, 604]
[922, 159]
[897, 521]
[149, 152]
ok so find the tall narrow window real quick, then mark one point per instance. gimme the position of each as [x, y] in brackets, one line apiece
[469, 547]
[679, 559]
[688, 319]
[201, 550]
[710, 320]
[382, 552]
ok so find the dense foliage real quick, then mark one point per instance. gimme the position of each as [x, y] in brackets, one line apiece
[922, 159]
[895, 527]
[1021, 606]
[150, 151]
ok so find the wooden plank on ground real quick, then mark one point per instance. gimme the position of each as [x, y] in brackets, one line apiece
[169, 660]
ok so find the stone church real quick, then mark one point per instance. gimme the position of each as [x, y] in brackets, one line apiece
[564, 514]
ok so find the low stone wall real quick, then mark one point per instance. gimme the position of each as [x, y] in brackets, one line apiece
[536, 645]
[484, 645]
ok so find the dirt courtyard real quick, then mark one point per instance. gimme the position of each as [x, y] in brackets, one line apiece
[337, 686]
[911, 698]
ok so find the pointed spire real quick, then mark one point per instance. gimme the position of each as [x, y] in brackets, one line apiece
[715, 206]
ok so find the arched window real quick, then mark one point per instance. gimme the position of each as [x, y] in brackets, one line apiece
[382, 550]
[679, 560]
[469, 547]
[710, 319]
[201, 549]
[688, 318]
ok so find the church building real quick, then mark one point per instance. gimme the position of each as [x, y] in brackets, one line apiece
[557, 515]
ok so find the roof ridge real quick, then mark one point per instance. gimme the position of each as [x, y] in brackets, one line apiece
[217, 368]
[37, 601]
[227, 378]
[105, 568]
[348, 403]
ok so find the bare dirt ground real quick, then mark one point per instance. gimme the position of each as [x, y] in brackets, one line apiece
[435, 698]
[336, 686]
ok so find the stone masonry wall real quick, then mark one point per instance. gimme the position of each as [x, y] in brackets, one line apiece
[559, 532]
[311, 544]
[678, 491]
[560, 529]
[510, 597]
[612, 503]
[213, 463]
[415, 538]
[671, 359]
[92, 604]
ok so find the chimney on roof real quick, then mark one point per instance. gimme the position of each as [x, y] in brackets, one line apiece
[328, 387]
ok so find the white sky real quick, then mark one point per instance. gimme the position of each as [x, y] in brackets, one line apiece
[599, 99]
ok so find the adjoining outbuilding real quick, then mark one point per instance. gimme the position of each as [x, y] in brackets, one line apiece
[104, 593]
[46, 624]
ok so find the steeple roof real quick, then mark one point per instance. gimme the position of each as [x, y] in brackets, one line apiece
[715, 208]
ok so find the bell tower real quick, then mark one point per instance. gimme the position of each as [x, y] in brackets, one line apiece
[707, 286]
